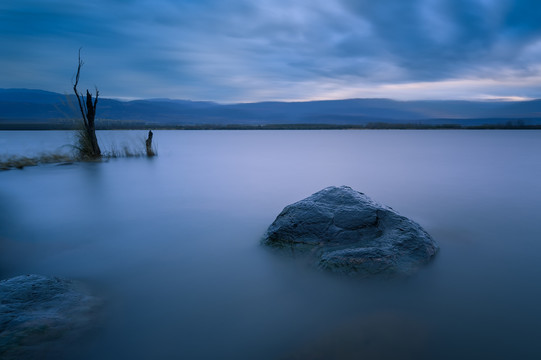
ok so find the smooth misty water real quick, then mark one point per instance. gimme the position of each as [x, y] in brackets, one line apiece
[172, 243]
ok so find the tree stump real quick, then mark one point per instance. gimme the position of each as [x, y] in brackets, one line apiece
[148, 143]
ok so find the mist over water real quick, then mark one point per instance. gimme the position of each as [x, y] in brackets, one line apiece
[172, 243]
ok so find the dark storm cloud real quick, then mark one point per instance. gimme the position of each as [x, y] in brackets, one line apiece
[275, 49]
[434, 40]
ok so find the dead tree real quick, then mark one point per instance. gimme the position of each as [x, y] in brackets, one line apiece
[88, 143]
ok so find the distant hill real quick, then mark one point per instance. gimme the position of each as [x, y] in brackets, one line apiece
[25, 108]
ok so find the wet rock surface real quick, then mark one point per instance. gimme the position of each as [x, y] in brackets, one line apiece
[343, 230]
[37, 313]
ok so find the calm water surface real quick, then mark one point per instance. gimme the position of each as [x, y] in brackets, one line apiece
[172, 243]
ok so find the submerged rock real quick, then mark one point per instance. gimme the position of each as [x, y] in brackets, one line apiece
[36, 312]
[343, 230]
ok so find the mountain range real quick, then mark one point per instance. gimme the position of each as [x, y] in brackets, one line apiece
[25, 108]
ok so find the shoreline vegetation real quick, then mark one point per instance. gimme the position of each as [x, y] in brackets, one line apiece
[20, 162]
[511, 125]
[12, 162]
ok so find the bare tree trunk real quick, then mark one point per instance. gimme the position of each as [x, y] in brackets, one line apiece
[88, 146]
[91, 128]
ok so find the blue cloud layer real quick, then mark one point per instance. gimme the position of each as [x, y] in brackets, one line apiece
[242, 50]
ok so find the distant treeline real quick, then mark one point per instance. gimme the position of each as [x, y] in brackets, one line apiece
[110, 125]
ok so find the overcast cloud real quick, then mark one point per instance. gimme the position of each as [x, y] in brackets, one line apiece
[241, 50]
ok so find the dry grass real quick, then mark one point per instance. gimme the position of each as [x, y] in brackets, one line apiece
[83, 144]
[132, 150]
[20, 162]
[124, 152]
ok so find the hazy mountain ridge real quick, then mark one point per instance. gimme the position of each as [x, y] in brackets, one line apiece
[25, 106]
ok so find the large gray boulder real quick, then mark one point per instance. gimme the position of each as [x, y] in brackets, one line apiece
[343, 230]
[39, 313]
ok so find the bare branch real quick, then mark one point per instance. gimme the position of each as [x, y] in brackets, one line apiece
[79, 65]
[96, 99]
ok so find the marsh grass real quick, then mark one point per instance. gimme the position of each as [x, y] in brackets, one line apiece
[20, 162]
[133, 150]
[83, 144]
[124, 152]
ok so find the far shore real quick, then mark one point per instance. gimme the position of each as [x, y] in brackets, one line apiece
[369, 126]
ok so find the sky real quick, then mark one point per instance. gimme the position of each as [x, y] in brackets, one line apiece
[287, 50]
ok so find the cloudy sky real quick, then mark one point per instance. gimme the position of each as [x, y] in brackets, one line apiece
[253, 50]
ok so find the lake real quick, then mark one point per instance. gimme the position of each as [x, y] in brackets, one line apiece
[172, 243]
